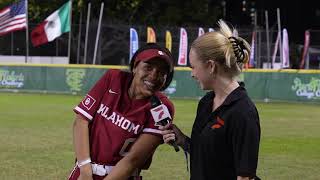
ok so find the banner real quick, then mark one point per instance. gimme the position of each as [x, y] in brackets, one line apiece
[183, 48]
[285, 49]
[200, 31]
[211, 29]
[276, 85]
[151, 35]
[251, 60]
[168, 40]
[134, 42]
[286, 86]
[275, 49]
[305, 48]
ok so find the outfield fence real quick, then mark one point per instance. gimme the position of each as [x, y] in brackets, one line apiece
[285, 85]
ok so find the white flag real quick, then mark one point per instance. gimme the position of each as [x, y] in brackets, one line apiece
[200, 32]
[285, 49]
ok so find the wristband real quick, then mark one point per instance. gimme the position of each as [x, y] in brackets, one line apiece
[84, 162]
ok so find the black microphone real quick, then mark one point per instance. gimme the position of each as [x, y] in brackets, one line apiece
[161, 116]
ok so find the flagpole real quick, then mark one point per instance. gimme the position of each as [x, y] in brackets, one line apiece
[69, 43]
[98, 34]
[11, 43]
[279, 30]
[257, 43]
[268, 41]
[87, 31]
[27, 32]
[79, 38]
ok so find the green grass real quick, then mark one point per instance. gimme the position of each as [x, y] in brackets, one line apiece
[36, 143]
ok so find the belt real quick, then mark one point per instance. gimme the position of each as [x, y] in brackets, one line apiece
[103, 170]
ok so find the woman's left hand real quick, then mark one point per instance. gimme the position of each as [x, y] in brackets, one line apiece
[171, 132]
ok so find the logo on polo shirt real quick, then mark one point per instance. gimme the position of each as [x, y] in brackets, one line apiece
[218, 124]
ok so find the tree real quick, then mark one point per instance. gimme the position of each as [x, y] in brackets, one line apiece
[161, 12]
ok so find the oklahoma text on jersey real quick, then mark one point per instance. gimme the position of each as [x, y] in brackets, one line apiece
[118, 120]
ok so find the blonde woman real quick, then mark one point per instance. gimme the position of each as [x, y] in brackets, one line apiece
[225, 137]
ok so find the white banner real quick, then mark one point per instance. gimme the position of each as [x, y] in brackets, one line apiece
[211, 29]
[285, 49]
[200, 32]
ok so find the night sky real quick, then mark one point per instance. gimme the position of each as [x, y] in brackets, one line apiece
[300, 16]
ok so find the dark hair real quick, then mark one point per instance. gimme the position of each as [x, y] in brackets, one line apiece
[155, 46]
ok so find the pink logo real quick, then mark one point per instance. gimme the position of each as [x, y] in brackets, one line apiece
[160, 111]
[88, 102]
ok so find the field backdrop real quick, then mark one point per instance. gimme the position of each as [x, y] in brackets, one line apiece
[36, 139]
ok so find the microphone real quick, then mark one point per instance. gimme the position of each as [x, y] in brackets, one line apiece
[161, 116]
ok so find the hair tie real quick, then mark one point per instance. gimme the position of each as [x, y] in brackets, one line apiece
[238, 48]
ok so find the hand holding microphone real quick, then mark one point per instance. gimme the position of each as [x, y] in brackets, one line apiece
[161, 116]
[172, 132]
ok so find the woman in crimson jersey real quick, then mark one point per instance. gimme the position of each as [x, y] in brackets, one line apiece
[114, 134]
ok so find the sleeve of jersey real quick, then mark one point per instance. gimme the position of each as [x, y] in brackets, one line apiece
[245, 138]
[150, 127]
[90, 103]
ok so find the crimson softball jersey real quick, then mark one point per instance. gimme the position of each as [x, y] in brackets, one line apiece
[115, 119]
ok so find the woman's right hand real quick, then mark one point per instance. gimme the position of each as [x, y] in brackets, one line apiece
[172, 132]
[85, 172]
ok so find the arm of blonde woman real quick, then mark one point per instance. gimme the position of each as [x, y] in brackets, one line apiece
[171, 132]
[81, 146]
[138, 154]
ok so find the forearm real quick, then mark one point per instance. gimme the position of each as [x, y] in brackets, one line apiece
[136, 158]
[81, 138]
[124, 169]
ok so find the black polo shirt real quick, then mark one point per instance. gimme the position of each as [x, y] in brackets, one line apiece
[225, 143]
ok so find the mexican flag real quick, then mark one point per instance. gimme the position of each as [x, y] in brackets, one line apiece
[53, 26]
